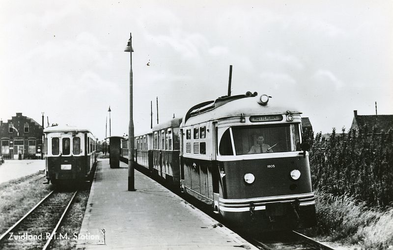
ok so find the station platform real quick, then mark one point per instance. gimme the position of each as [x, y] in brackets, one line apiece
[152, 217]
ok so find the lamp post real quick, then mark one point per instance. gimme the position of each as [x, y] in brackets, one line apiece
[131, 184]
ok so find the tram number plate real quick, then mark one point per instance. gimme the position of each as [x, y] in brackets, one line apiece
[66, 167]
[277, 209]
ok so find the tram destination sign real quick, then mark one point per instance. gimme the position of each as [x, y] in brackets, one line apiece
[266, 118]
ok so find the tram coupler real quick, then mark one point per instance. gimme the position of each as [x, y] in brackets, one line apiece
[295, 207]
[252, 210]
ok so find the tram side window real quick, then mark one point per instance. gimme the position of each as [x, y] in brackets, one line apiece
[55, 146]
[155, 141]
[225, 144]
[203, 132]
[76, 145]
[66, 146]
[188, 134]
[196, 133]
[202, 148]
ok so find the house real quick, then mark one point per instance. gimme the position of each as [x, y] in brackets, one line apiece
[381, 123]
[20, 138]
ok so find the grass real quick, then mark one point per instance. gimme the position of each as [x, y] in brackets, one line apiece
[343, 219]
[17, 197]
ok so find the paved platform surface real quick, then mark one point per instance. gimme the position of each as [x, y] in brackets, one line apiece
[14, 169]
[149, 218]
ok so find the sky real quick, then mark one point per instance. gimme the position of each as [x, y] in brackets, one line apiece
[66, 58]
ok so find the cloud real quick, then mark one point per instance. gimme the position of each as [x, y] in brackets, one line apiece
[327, 78]
[218, 51]
[286, 59]
[277, 79]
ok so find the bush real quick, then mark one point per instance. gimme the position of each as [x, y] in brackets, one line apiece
[356, 164]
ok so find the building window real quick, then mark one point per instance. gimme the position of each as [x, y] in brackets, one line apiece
[5, 147]
[26, 127]
[10, 127]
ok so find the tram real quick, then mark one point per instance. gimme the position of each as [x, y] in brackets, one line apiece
[70, 154]
[242, 156]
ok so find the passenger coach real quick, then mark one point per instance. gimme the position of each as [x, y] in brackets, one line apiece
[70, 154]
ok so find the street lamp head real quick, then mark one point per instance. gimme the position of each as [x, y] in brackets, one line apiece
[129, 47]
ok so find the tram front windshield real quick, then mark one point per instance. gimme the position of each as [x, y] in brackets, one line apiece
[260, 139]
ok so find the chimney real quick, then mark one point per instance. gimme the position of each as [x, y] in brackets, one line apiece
[355, 113]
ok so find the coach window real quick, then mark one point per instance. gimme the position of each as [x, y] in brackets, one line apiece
[76, 145]
[169, 139]
[145, 143]
[55, 146]
[162, 144]
[66, 146]
[155, 140]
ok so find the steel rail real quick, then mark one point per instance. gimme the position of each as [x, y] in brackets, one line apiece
[59, 222]
[24, 217]
[312, 240]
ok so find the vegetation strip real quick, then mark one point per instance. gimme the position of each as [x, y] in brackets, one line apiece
[27, 214]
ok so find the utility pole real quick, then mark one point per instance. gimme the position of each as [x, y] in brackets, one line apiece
[151, 114]
[158, 121]
[110, 122]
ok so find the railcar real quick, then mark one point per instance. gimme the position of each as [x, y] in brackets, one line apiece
[243, 157]
[70, 154]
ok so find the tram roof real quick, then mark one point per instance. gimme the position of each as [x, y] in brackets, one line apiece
[174, 123]
[65, 128]
[248, 104]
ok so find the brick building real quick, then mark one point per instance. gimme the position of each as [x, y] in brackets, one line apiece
[20, 138]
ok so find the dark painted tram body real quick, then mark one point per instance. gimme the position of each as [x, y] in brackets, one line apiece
[70, 154]
[215, 154]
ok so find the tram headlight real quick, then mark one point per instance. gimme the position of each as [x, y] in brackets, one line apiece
[264, 99]
[295, 174]
[249, 178]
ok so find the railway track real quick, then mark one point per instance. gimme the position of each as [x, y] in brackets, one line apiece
[38, 227]
[289, 241]
[285, 241]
